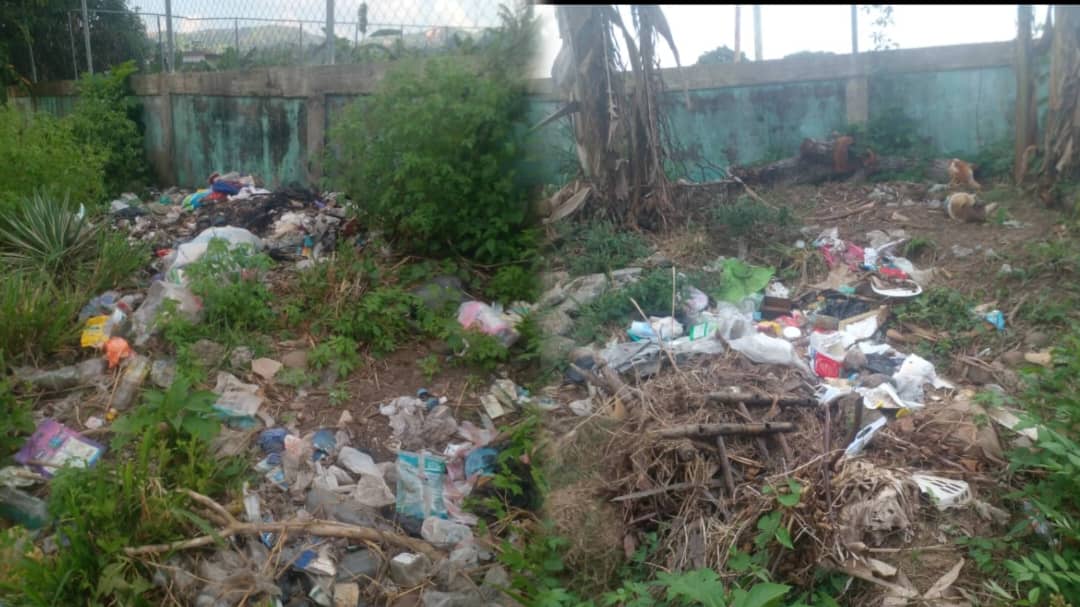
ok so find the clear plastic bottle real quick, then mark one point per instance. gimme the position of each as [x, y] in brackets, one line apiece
[138, 367]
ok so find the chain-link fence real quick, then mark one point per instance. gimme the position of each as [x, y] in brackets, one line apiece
[200, 35]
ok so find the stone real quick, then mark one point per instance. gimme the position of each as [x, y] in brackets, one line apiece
[357, 462]
[265, 367]
[961, 252]
[207, 353]
[1013, 358]
[1037, 339]
[444, 534]
[854, 360]
[240, 357]
[296, 359]
[434, 598]
[361, 566]
[409, 570]
[327, 504]
[346, 595]
[163, 373]
[555, 322]
[497, 577]
[441, 292]
[372, 491]
[555, 348]
[550, 280]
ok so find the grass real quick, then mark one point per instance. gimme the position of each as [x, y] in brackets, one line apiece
[601, 247]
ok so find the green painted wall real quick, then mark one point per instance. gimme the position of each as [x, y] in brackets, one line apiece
[263, 136]
[746, 124]
[960, 111]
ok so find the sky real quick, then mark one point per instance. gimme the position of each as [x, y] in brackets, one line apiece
[785, 29]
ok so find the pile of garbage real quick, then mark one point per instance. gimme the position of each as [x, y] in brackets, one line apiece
[764, 387]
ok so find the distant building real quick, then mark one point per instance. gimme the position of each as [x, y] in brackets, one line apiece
[199, 57]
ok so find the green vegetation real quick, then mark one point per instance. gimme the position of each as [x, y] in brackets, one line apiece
[17, 420]
[106, 119]
[42, 154]
[752, 221]
[126, 501]
[600, 247]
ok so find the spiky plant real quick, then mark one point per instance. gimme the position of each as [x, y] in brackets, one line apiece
[45, 235]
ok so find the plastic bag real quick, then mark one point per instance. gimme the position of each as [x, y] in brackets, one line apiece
[730, 321]
[667, 328]
[420, 485]
[488, 320]
[763, 349]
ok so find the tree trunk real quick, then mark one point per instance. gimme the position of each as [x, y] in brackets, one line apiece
[757, 33]
[854, 30]
[1062, 139]
[1025, 93]
[817, 163]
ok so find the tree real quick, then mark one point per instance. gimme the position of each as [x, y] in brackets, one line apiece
[34, 36]
[883, 20]
[1061, 144]
[617, 128]
[720, 54]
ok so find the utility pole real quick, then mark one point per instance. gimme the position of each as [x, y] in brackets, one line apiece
[757, 32]
[738, 30]
[170, 42]
[330, 39]
[86, 37]
[854, 29]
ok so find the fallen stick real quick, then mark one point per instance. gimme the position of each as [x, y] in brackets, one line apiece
[734, 398]
[314, 527]
[761, 442]
[666, 488]
[725, 465]
[690, 430]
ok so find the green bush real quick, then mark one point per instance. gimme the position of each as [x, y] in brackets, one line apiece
[601, 247]
[229, 282]
[514, 283]
[106, 119]
[15, 420]
[41, 153]
[37, 317]
[432, 157]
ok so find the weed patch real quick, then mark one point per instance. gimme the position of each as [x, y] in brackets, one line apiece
[601, 247]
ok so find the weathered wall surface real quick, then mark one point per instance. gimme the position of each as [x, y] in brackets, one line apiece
[274, 122]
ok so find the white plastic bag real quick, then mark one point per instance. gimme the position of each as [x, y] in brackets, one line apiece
[488, 320]
[763, 349]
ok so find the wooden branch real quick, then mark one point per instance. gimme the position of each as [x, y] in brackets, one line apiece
[666, 488]
[691, 430]
[314, 527]
[735, 398]
[725, 465]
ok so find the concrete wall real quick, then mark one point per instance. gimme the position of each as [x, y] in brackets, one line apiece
[273, 122]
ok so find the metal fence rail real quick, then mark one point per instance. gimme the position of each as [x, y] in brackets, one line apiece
[185, 35]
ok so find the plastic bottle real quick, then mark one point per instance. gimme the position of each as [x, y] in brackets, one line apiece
[22, 508]
[134, 375]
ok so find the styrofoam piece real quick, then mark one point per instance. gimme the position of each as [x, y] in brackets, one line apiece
[863, 437]
[945, 492]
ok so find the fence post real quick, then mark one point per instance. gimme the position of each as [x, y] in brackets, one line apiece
[300, 51]
[170, 42]
[160, 44]
[71, 39]
[86, 38]
[236, 34]
[330, 38]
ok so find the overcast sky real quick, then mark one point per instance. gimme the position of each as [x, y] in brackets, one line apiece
[794, 28]
[696, 28]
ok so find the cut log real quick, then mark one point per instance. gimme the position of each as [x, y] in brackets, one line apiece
[691, 430]
[819, 161]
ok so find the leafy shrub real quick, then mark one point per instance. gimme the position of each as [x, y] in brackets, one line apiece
[891, 133]
[338, 353]
[752, 221]
[228, 281]
[601, 247]
[41, 153]
[15, 420]
[433, 156]
[994, 160]
[652, 292]
[38, 318]
[184, 413]
[514, 283]
[940, 308]
[105, 118]
[382, 319]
